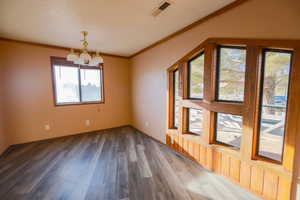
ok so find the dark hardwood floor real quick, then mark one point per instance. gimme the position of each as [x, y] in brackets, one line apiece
[113, 164]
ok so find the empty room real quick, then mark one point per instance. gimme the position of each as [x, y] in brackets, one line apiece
[150, 100]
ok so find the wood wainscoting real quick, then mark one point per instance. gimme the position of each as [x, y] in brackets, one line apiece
[243, 164]
[270, 184]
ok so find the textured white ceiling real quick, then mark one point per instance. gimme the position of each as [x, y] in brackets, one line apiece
[120, 27]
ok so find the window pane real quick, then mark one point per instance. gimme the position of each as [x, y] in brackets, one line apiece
[67, 84]
[274, 104]
[229, 129]
[196, 68]
[176, 98]
[90, 85]
[195, 121]
[231, 79]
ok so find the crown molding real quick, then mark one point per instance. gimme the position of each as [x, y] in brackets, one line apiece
[200, 21]
[56, 47]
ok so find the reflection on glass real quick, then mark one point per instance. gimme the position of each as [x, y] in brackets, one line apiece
[90, 85]
[231, 82]
[229, 129]
[274, 103]
[196, 67]
[176, 98]
[195, 121]
[67, 84]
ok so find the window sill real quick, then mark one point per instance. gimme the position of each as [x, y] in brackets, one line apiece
[227, 149]
[265, 159]
[192, 134]
[81, 103]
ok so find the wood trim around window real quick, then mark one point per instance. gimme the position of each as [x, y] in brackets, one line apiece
[171, 95]
[249, 109]
[62, 61]
[189, 76]
[218, 70]
[260, 101]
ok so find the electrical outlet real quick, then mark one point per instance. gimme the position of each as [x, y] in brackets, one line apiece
[47, 127]
[87, 122]
[146, 124]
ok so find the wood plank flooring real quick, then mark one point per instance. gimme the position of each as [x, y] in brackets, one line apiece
[115, 164]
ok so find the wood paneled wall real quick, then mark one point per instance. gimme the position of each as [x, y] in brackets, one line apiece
[264, 177]
[258, 179]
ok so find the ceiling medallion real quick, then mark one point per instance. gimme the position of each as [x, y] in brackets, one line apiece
[84, 58]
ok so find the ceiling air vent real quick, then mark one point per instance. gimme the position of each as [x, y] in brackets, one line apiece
[162, 6]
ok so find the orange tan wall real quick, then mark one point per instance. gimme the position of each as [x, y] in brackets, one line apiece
[28, 95]
[3, 138]
[254, 19]
[4, 143]
[272, 19]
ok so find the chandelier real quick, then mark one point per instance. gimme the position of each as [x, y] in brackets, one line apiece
[84, 58]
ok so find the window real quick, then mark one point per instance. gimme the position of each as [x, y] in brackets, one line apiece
[229, 129]
[67, 84]
[231, 73]
[196, 74]
[273, 104]
[246, 104]
[176, 98]
[90, 85]
[195, 121]
[75, 84]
